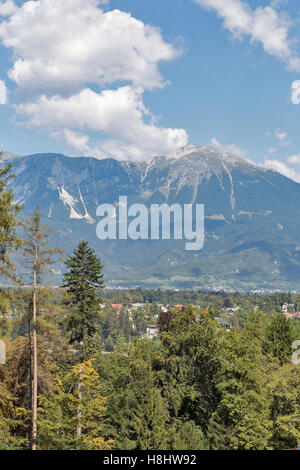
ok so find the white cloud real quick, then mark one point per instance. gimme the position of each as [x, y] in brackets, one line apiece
[294, 159]
[7, 8]
[282, 137]
[283, 169]
[287, 169]
[231, 148]
[295, 92]
[3, 93]
[119, 113]
[65, 52]
[77, 141]
[264, 25]
[64, 44]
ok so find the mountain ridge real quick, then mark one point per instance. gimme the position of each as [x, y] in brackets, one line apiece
[179, 154]
[252, 216]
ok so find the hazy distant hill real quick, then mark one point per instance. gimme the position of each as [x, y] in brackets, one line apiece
[252, 216]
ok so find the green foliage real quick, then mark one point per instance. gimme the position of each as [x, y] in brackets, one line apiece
[36, 250]
[9, 212]
[103, 385]
[140, 322]
[10, 418]
[188, 436]
[279, 338]
[9, 240]
[198, 386]
[188, 362]
[283, 387]
[241, 418]
[82, 282]
[138, 413]
[109, 344]
[58, 412]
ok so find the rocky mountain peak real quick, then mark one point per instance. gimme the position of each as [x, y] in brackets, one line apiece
[182, 152]
[207, 154]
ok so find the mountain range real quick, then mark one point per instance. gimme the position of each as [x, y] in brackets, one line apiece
[252, 217]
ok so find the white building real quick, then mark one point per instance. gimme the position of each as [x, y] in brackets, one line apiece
[151, 331]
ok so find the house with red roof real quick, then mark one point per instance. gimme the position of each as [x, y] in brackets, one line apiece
[116, 306]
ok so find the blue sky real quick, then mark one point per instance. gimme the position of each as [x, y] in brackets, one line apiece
[133, 79]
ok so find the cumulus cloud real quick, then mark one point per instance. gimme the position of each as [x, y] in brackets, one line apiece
[119, 113]
[231, 148]
[284, 169]
[3, 93]
[77, 141]
[65, 52]
[287, 169]
[295, 95]
[63, 44]
[264, 25]
[7, 8]
[294, 159]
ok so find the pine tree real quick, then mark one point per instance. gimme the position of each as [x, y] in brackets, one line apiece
[38, 257]
[82, 283]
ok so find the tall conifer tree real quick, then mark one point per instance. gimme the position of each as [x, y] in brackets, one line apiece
[9, 212]
[38, 258]
[9, 239]
[82, 283]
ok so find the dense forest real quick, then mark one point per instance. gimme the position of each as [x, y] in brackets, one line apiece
[80, 375]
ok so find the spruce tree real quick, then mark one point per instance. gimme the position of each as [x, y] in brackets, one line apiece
[82, 282]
